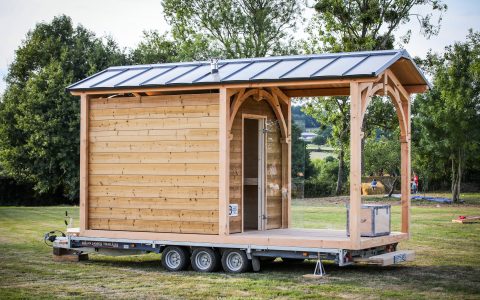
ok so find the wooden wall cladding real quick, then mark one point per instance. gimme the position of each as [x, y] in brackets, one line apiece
[274, 165]
[153, 163]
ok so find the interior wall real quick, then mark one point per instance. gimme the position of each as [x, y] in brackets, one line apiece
[273, 169]
[153, 163]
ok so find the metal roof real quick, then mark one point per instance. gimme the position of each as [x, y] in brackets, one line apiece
[267, 69]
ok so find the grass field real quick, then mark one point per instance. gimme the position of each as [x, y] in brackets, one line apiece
[447, 264]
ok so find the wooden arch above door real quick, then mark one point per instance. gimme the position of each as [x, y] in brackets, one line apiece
[272, 96]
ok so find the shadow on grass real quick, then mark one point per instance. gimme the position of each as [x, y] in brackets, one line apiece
[152, 263]
[427, 280]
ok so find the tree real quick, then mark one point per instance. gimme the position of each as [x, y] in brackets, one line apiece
[365, 25]
[369, 24]
[232, 28]
[335, 112]
[383, 155]
[302, 166]
[39, 128]
[323, 134]
[447, 118]
[155, 48]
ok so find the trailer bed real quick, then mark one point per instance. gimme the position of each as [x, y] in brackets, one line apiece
[291, 237]
[296, 244]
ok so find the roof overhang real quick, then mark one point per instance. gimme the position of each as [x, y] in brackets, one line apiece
[321, 74]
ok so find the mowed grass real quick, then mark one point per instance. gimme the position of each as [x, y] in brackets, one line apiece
[447, 264]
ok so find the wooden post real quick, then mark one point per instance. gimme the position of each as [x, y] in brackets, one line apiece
[355, 163]
[406, 168]
[286, 169]
[84, 112]
[289, 164]
[224, 163]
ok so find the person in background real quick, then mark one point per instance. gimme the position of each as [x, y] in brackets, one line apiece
[373, 184]
[414, 186]
[415, 178]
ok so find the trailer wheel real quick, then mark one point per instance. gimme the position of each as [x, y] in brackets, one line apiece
[175, 258]
[205, 260]
[235, 261]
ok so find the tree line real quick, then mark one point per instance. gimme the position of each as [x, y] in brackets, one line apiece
[39, 140]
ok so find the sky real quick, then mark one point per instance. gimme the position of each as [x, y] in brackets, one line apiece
[125, 20]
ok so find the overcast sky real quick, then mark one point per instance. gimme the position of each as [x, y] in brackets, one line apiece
[125, 20]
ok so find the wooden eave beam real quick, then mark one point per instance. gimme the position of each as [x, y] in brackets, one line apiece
[416, 89]
[343, 91]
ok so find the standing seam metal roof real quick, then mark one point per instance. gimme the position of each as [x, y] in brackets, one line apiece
[279, 68]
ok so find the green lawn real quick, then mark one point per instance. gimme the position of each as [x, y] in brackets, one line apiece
[447, 264]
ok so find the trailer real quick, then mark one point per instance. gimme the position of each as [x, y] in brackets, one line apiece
[193, 160]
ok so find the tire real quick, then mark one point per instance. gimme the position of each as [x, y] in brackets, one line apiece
[293, 260]
[205, 260]
[235, 261]
[175, 258]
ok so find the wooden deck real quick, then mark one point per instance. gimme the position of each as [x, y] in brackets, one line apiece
[323, 236]
[307, 238]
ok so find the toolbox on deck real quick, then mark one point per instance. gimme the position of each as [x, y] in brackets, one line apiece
[374, 220]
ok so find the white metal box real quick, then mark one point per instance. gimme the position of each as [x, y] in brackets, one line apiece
[374, 220]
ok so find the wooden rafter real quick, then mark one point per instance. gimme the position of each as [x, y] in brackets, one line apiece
[280, 94]
[397, 84]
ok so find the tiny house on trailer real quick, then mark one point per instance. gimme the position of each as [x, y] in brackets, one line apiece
[193, 160]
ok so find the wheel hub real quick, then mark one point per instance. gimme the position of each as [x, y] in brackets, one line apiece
[203, 260]
[173, 259]
[234, 261]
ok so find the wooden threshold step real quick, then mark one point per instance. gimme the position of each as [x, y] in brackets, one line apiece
[390, 258]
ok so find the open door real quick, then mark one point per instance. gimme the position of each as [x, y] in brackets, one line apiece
[254, 193]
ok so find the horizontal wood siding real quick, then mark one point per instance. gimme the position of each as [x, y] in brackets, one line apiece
[153, 164]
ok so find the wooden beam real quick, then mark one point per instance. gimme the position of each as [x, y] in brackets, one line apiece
[397, 84]
[277, 109]
[237, 102]
[224, 162]
[355, 163]
[84, 117]
[272, 100]
[397, 102]
[289, 165]
[320, 92]
[280, 94]
[416, 89]
[405, 170]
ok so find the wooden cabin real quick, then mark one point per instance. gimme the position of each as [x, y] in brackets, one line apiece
[201, 152]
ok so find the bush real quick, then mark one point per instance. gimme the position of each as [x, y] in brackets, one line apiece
[319, 188]
[13, 193]
[324, 183]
